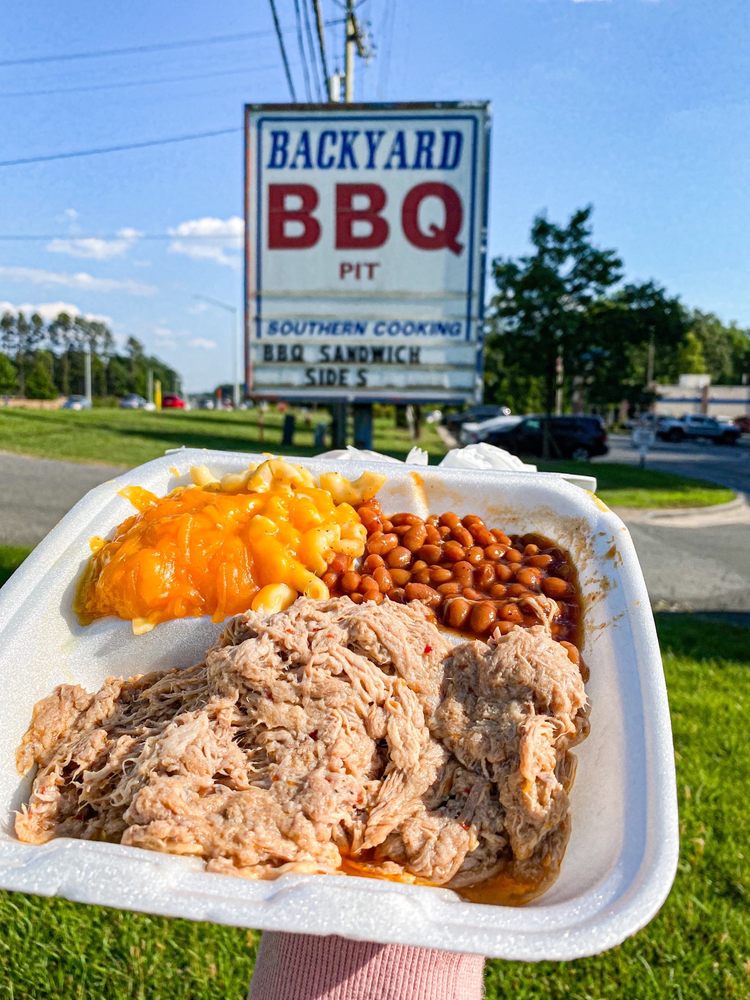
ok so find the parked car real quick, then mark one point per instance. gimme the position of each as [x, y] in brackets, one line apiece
[171, 401]
[580, 438]
[743, 423]
[692, 426]
[77, 403]
[132, 402]
[471, 433]
[475, 414]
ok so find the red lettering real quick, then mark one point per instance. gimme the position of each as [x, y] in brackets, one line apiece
[436, 238]
[279, 215]
[347, 215]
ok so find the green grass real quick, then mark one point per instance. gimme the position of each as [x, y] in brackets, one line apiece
[127, 437]
[697, 947]
[631, 486]
[11, 557]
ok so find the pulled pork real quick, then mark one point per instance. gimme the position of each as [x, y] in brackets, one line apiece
[328, 735]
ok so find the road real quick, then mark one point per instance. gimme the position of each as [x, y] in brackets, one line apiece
[687, 567]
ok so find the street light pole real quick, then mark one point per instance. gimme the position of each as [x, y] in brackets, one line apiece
[235, 339]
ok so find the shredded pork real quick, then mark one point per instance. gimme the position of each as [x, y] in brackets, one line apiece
[328, 734]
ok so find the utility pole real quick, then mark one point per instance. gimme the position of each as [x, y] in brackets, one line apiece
[87, 371]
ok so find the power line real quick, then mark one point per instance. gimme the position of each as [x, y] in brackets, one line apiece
[311, 49]
[131, 50]
[117, 149]
[135, 83]
[322, 45]
[282, 49]
[75, 237]
[302, 52]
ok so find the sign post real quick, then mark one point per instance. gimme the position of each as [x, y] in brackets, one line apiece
[365, 247]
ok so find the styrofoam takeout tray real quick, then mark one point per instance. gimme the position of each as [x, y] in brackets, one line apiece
[622, 855]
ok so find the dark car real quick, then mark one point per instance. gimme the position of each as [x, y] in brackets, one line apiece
[580, 438]
[484, 411]
[743, 423]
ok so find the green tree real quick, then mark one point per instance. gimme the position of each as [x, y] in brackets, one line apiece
[39, 381]
[725, 348]
[690, 358]
[541, 299]
[8, 376]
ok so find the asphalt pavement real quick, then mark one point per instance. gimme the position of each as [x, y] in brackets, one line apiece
[691, 562]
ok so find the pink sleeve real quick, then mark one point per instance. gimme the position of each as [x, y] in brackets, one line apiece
[308, 967]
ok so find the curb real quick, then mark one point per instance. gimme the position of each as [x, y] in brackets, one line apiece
[737, 510]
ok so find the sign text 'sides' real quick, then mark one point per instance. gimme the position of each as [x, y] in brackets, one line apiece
[364, 251]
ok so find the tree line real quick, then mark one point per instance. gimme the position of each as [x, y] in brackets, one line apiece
[45, 359]
[566, 331]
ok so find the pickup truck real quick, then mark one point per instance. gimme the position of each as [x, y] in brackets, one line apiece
[690, 426]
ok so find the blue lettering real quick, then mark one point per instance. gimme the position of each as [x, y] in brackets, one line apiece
[425, 142]
[347, 150]
[325, 162]
[398, 150]
[452, 146]
[303, 150]
[279, 150]
[373, 141]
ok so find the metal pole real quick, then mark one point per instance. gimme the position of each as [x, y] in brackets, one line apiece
[236, 334]
[87, 373]
[349, 43]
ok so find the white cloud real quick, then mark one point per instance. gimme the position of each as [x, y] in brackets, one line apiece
[51, 310]
[165, 337]
[209, 239]
[80, 280]
[202, 343]
[94, 248]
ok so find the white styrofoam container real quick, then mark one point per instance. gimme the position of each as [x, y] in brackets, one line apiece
[622, 854]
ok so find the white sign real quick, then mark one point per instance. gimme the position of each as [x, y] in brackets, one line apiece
[364, 254]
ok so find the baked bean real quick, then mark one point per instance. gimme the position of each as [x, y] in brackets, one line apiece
[503, 572]
[368, 583]
[510, 613]
[374, 596]
[505, 627]
[500, 536]
[440, 574]
[448, 589]
[573, 654]
[516, 590]
[463, 572]
[485, 576]
[421, 576]
[541, 562]
[384, 579]
[418, 564]
[456, 611]
[482, 535]
[471, 594]
[483, 617]
[330, 580]
[339, 563]
[430, 553]
[449, 520]
[433, 535]
[445, 531]
[433, 520]
[471, 519]
[454, 552]
[415, 537]
[461, 535]
[350, 581]
[387, 525]
[406, 519]
[400, 576]
[554, 587]
[372, 562]
[494, 551]
[513, 556]
[421, 592]
[399, 557]
[498, 591]
[370, 518]
[475, 555]
[397, 595]
[529, 577]
[357, 598]
[400, 529]
[380, 543]
[531, 549]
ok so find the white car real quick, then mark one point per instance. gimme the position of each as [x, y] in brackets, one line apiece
[472, 433]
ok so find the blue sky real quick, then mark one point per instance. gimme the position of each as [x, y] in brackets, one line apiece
[639, 106]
